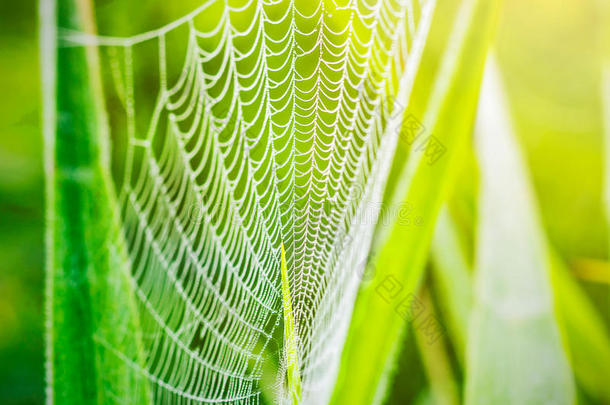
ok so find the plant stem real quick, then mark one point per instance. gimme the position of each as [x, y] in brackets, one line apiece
[91, 316]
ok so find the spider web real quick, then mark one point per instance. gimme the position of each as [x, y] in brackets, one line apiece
[278, 127]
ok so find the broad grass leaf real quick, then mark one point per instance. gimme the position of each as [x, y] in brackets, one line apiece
[515, 353]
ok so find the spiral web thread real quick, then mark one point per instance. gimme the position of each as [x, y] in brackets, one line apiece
[279, 128]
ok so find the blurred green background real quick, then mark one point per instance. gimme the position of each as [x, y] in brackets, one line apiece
[550, 55]
[21, 207]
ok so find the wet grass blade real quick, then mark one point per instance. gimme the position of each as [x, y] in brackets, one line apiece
[88, 301]
[290, 339]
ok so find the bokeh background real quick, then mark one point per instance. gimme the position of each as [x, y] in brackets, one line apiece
[550, 55]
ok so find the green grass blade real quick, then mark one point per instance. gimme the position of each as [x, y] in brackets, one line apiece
[584, 331]
[605, 94]
[436, 361]
[452, 276]
[89, 305]
[515, 353]
[581, 324]
[376, 328]
[290, 339]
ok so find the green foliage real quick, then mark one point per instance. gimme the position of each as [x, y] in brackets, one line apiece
[495, 356]
[453, 280]
[515, 354]
[89, 305]
[376, 328]
[583, 330]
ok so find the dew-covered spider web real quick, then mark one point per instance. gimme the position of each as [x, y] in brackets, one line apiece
[237, 129]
